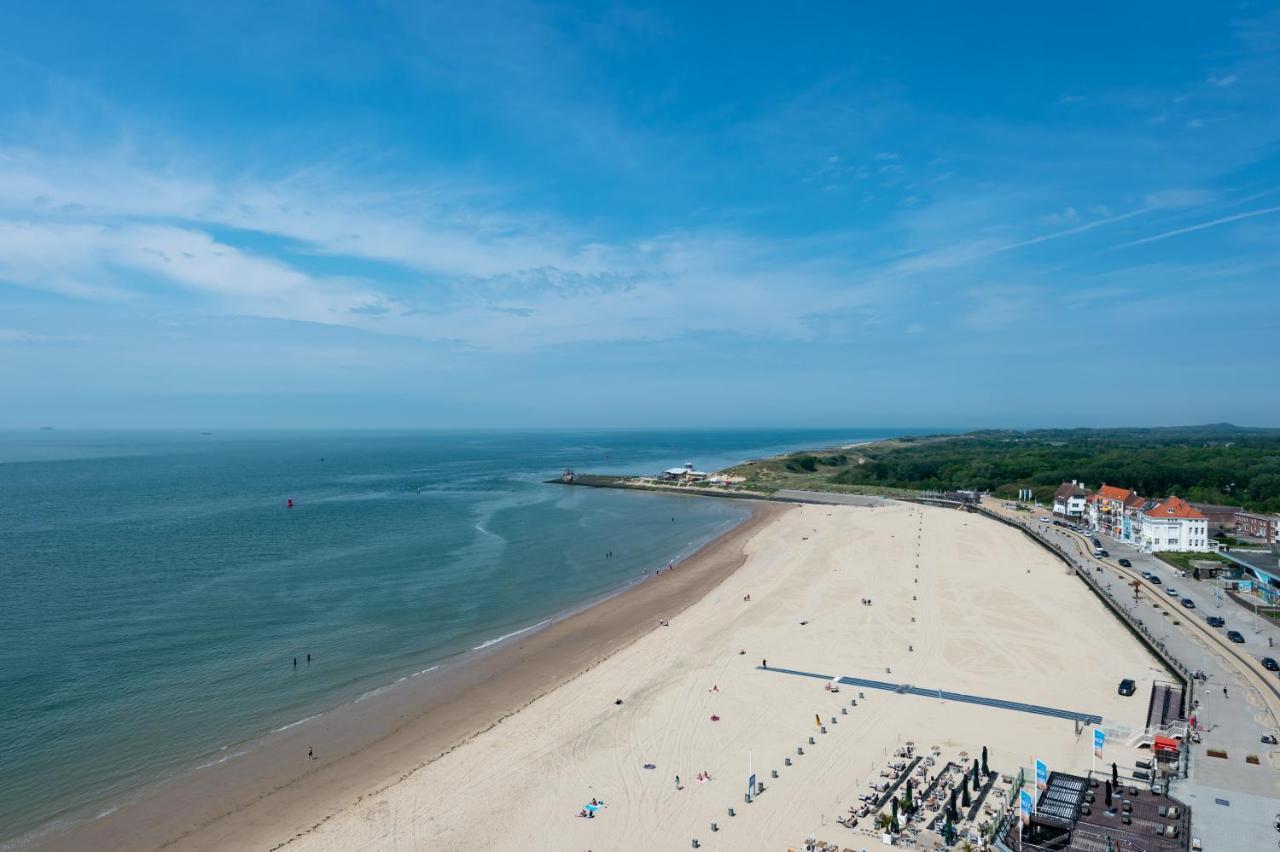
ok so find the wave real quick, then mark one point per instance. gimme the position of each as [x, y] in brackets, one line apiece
[491, 642]
[373, 692]
[294, 724]
[223, 759]
[490, 533]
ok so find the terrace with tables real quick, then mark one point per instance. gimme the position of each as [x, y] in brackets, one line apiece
[933, 781]
[1072, 815]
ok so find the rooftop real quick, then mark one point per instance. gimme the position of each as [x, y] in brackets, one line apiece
[1072, 816]
[1113, 492]
[1174, 507]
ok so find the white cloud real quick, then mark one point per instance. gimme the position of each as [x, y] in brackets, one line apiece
[473, 274]
[1200, 227]
[1224, 81]
[994, 308]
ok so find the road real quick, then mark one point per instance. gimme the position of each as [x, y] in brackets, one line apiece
[1233, 722]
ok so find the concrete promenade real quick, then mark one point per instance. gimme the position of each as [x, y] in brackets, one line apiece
[1231, 721]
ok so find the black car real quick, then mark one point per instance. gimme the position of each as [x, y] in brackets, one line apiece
[1103, 553]
[1155, 580]
[1127, 687]
[1235, 636]
[1216, 621]
[1188, 603]
[1097, 543]
[1270, 664]
[1125, 563]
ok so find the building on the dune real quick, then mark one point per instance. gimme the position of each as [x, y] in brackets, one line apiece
[684, 474]
[1175, 525]
[1069, 502]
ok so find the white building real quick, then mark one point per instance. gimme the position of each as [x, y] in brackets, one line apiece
[684, 474]
[1069, 502]
[1174, 524]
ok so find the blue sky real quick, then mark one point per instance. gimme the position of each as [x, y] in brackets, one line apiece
[510, 214]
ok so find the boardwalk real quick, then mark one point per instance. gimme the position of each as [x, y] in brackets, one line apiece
[908, 689]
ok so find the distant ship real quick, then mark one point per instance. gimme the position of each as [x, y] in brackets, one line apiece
[46, 428]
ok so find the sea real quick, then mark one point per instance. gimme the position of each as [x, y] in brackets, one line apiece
[156, 587]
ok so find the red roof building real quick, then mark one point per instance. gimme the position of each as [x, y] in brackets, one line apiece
[1173, 524]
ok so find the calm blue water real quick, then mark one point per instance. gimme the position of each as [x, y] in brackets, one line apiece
[153, 586]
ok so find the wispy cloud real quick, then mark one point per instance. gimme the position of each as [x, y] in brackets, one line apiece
[1213, 223]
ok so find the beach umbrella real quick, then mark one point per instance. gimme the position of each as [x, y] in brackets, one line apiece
[985, 770]
[1108, 794]
[1115, 775]
[975, 775]
[964, 797]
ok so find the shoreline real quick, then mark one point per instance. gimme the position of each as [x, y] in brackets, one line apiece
[953, 594]
[272, 790]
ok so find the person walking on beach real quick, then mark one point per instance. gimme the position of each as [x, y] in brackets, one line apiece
[311, 753]
[764, 664]
[1224, 692]
[678, 787]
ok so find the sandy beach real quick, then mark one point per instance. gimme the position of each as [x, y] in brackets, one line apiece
[994, 615]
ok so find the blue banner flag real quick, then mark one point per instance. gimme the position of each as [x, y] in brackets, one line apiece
[1027, 805]
[1099, 740]
[1042, 775]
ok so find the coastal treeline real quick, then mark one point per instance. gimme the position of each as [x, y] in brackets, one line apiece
[1215, 463]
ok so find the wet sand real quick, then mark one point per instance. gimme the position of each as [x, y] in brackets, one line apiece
[273, 792]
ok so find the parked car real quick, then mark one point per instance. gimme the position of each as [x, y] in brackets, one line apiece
[1216, 621]
[1270, 665]
[1171, 591]
[1097, 543]
[1155, 581]
[1127, 686]
[1188, 603]
[1235, 636]
[1103, 553]
[1044, 520]
[1125, 563]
